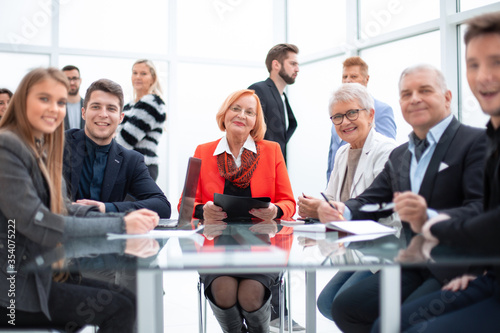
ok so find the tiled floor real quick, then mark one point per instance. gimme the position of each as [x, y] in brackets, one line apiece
[181, 305]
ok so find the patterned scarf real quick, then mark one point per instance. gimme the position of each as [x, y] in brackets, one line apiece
[241, 176]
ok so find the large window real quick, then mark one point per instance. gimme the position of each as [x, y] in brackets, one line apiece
[323, 24]
[386, 62]
[382, 16]
[127, 26]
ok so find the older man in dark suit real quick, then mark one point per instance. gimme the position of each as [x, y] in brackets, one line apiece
[282, 64]
[439, 170]
[98, 170]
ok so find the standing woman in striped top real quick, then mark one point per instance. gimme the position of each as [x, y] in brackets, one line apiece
[142, 125]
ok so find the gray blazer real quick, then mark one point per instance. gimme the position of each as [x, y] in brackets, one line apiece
[28, 227]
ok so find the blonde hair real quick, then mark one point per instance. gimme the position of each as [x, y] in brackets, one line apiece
[155, 87]
[48, 152]
[260, 127]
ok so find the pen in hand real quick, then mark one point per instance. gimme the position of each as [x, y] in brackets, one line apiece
[332, 205]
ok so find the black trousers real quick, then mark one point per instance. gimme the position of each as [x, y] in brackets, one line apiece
[474, 309]
[76, 303]
[357, 307]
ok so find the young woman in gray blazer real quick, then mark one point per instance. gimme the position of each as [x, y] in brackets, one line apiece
[35, 217]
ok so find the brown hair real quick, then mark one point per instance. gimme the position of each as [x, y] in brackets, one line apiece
[279, 52]
[482, 24]
[259, 129]
[49, 155]
[357, 61]
[107, 86]
[6, 91]
[70, 68]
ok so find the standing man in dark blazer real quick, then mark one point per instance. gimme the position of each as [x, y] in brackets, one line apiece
[73, 118]
[282, 64]
[440, 170]
[98, 170]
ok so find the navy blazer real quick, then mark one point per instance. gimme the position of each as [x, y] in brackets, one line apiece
[274, 113]
[125, 174]
[453, 181]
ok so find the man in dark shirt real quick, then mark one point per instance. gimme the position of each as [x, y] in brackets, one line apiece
[98, 170]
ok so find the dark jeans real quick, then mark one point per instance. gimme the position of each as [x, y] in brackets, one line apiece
[340, 282]
[474, 309]
[74, 304]
[357, 307]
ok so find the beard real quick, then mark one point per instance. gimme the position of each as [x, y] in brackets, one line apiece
[287, 78]
[73, 92]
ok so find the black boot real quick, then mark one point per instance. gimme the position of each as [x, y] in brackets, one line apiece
[229, 319]
[258, 320]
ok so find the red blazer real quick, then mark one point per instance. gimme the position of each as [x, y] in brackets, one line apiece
[270, 178]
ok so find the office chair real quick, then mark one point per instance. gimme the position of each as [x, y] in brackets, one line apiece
[284, 283]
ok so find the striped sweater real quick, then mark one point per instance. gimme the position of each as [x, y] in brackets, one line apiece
[142, 127]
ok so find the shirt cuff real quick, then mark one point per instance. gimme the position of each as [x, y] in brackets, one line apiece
[347, 214]
[110, 207]
[431, 213]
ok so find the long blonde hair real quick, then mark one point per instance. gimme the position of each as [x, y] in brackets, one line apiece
[155, 87]
[48, 152]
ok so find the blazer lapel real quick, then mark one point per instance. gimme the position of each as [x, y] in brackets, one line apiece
[402, 168]
[112, 168]
[441, 148]
[78, 152]
[342, 165]
[362, 160]
[292, 122]
[278, 100]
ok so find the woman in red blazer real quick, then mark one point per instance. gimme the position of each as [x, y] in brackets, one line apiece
[241, 163]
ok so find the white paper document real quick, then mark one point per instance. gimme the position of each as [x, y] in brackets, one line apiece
[364, 227]
[162, 233]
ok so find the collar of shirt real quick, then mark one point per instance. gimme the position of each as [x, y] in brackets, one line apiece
[92, 147]
[223, 146]
[418, 169]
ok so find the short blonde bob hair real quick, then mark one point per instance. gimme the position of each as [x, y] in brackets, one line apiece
[259, 129]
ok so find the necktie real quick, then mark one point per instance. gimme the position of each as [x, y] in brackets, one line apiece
[97, 174]
[420, 146]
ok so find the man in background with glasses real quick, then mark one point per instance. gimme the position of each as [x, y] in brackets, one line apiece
[73, 118]
[355, 70]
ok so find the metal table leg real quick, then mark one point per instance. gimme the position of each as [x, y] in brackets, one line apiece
[150, 301]
[390, 299]
[311, 301]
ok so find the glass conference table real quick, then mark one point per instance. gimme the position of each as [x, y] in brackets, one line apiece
[249, 247]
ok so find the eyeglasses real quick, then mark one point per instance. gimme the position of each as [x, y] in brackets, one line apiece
[352, 115]
[74, 78]
[248, 113]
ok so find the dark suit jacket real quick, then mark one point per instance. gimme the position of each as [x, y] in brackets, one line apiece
[125, 174]
[66, 119]
[274, 113]
[456, 190]
[481, 232]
